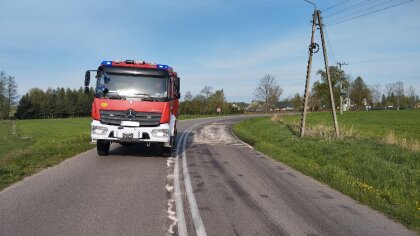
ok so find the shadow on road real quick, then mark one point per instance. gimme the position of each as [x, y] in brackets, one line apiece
[136, 150]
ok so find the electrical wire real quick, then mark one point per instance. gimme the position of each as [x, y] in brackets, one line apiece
[386, 59]
[336, 5]
[363, 10]
[329, 44]
[357, 5]
[399, 4]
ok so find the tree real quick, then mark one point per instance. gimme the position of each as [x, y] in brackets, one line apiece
[3, 95]
[201, 104]
[54, 103]
[11, 94]
[8, 94]
[24, 109]
[375, 91]
[268, 91]
[297, 101]
[359, 93]
[198, 103]
[389, 90]
[320, 88]
[207, 91]
[186, 105]
[217, 100]
[188, 96]
[411, 93]
[399, 92]
[383, 101]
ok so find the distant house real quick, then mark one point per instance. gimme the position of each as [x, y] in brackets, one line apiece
[255, 106]
[417, 106]
[284, 106]
[240, 105]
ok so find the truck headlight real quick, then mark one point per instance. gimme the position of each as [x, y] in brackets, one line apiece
[99, 130]
[160, 133]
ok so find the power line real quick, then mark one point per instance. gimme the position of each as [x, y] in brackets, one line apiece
[390, 59]
[336, 5]
[329, 44]
[357, 5]
[310, 3]
[363, 10]
[371, 13]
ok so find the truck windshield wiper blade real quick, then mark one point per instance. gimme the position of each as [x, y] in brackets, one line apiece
[113, 95]
[150, 98]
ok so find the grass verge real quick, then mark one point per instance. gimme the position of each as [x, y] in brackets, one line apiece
[28, 146]
[361, 165]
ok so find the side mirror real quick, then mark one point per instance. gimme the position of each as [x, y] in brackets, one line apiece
[87, 78]
[177, 88]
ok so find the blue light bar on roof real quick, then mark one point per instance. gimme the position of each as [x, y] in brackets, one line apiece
[106, 63]
[159, 66]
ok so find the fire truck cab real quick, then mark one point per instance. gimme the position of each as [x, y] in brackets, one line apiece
[135, 102]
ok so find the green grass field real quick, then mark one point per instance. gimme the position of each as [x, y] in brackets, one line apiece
[28, 146]
[375, 162]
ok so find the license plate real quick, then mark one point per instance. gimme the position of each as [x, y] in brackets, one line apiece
[127, 135]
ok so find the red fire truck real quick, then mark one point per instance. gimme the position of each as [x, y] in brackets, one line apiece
[135, 102]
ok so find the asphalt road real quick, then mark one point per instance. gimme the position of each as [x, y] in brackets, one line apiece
[213, 185]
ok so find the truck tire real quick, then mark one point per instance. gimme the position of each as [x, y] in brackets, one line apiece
[102, 146]
[167, 151]
[174, 141]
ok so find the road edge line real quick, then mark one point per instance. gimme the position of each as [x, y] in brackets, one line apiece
[181, 224]
[198, 222]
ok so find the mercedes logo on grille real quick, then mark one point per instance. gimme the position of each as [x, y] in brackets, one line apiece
[130, 114]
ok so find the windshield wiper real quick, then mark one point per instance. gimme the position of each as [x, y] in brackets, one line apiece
[149, 98]
[114, 95]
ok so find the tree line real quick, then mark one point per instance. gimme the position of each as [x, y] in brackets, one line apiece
[207, 102]
[8, 95]
[54, 103]
[357, 93]
[66, 102]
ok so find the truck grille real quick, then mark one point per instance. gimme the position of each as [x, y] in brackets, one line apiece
[144, 118]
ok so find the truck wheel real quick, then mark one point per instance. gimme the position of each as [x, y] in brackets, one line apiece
[174, 141]
[102, 146]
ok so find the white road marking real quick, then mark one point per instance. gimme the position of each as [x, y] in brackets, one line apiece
[180, 217]
[198, 223]
[215, 133]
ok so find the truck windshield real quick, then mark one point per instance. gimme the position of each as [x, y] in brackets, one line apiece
[133, 86]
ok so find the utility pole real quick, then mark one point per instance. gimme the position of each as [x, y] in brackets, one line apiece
[312, 47]
[317, 20]
[324, 49]
[341, 64]
[341, 87]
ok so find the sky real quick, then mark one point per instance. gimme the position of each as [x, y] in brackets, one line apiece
[227, 45]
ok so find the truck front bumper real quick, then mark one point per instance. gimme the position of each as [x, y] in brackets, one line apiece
[157, 134]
